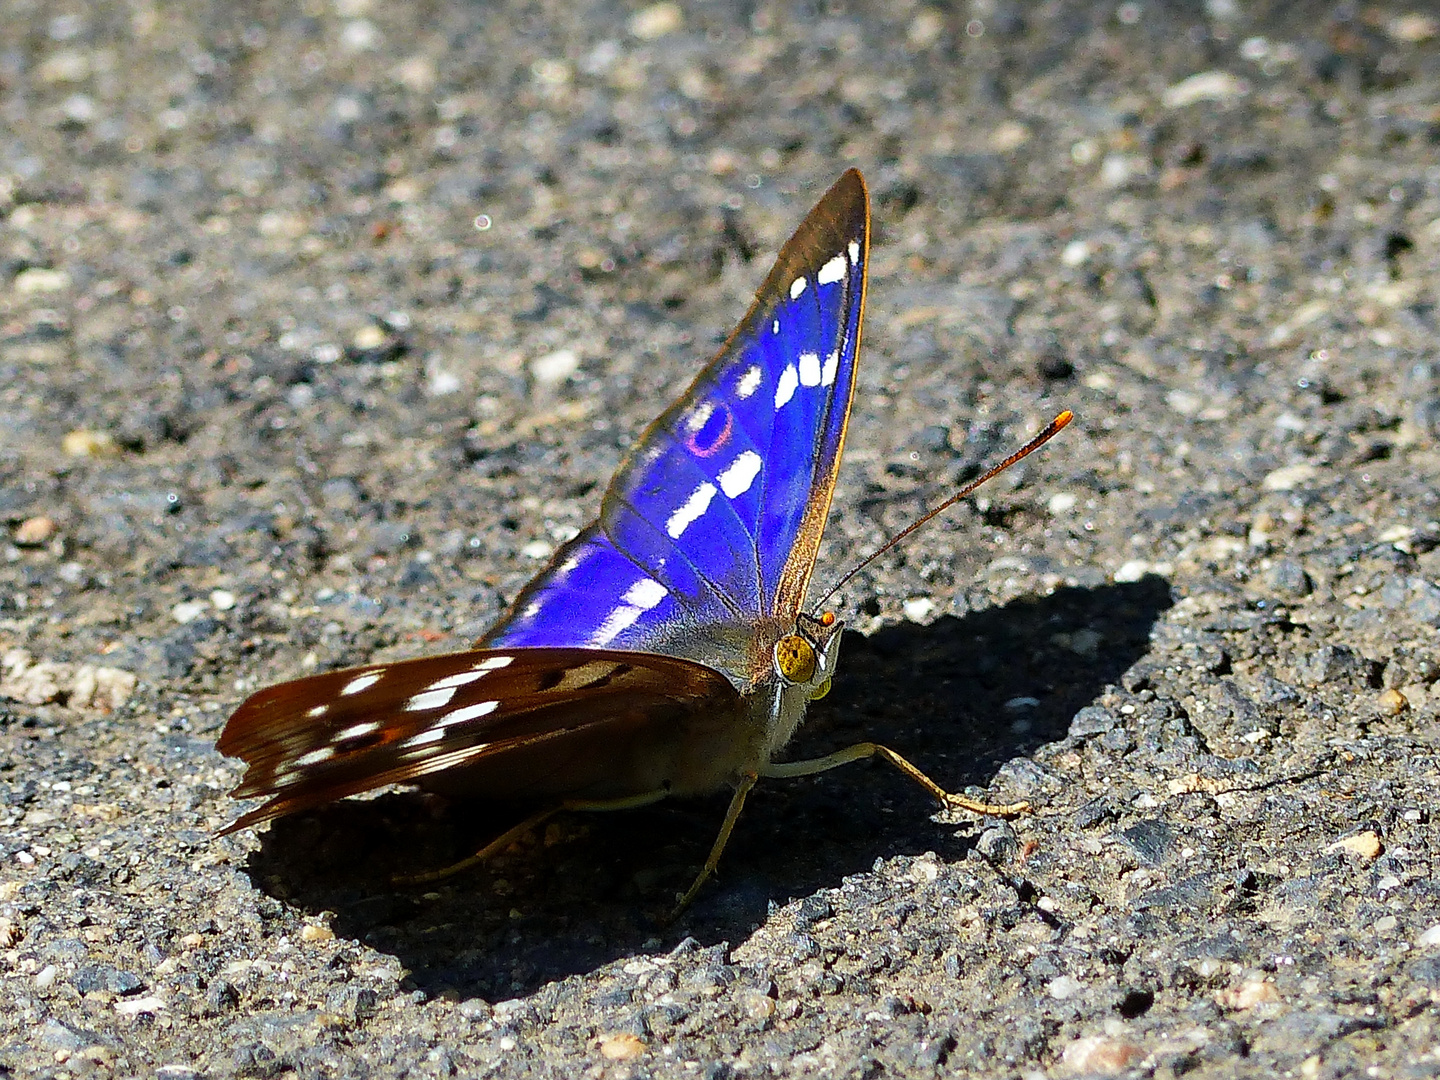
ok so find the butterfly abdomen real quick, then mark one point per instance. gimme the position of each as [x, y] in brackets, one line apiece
[656, 745]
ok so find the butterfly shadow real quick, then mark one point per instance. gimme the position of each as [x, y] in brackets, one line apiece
[958, 697]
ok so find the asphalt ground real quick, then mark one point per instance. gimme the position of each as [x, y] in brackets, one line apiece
[322, 324]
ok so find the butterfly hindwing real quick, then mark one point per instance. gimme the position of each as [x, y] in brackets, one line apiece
[314, 740]
[715, 516]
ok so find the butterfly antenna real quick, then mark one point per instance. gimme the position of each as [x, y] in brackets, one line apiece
[1051, 430]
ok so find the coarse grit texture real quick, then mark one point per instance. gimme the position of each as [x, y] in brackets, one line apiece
[323, 323]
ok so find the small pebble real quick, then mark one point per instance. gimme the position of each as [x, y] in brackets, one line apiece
[314, 932]
[189, 610]
[136, 1006]
[34, 532]
[554, 368]
[1413, 27]
[656, 21]
[759, 1006]
[1393, 702]
[1247, 995]
[918, 609]
[222, 599]
[1366, 844]
[1289, 478]
[621, 1046]
[82, 443]
[1099, 1055]
[368, 337]
[1132, 571]
[1064, 987]
[1204, 86]
[39, 279]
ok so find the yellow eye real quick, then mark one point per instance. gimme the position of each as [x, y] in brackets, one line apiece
[820, 691]
[795, 659]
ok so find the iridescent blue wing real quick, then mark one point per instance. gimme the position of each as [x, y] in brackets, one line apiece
[714, 519]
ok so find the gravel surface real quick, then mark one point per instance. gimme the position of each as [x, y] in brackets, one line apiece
[321, 324]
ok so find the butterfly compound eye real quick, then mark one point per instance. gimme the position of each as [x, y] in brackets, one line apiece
[795, 659]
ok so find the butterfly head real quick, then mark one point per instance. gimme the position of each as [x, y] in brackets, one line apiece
[807, 657]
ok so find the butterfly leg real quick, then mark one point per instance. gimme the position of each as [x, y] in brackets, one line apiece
[860, 751]
[500, 843]
[732, 815]
[509, 836]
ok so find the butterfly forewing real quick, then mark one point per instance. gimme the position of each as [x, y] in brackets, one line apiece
[314, 740]
[715, 516]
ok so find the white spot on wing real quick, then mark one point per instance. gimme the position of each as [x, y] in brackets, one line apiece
[315, 757]
[361, 682]
[785, 389]
[463, 678]
[809, 369]
[638, 599]
[469, 712]
[689, 510]
[425, 737]
[749, 383]
[318, 710]
[740, 474]
[645, 593]
[430, 699]
[854, 249]
[832, 364]
[832, 271]
[616, 623]
[797, 288]
[357, 731]
[491, 663]
[775, 327]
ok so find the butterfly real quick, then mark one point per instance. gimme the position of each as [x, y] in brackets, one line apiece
[665, 649]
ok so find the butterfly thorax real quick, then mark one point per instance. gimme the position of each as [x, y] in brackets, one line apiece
[802, 664]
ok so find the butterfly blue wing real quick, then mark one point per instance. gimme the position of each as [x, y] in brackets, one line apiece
[714, 520]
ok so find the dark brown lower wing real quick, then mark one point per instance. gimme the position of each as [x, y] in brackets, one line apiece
[521, 723]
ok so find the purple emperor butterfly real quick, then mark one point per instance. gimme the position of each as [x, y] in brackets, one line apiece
[664, 650]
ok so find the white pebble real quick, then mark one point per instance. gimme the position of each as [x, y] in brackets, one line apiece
[918, 609]
[40, 280]
[1289, 478]
[554, 368]
[189, 610]
[1206, 86]
[1075, 253]
[1133, 570]
[656, 21]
